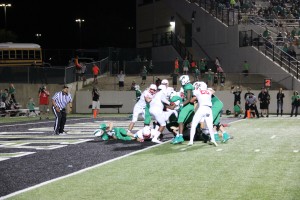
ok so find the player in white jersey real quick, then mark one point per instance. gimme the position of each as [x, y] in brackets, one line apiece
[157, 107]
[139, 107]
[169, 89]
[204, 112]
[148, 133]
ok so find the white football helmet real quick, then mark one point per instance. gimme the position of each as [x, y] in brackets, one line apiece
[136, 87]
[153, 86]
[165, 82]
[162, 87]
[98, 133]
[146, 131]
[203, 86]
[196, 85]
[173, 93]
[184, 79]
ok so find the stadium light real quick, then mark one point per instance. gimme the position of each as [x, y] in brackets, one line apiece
[172, 21]
[80, 21]
[5, 5]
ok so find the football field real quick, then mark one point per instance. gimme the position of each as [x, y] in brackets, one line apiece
[261, 162]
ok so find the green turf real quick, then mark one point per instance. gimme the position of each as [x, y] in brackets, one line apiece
[262, 162]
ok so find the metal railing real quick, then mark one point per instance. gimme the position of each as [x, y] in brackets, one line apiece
[170, 38]
[48, 75]
[269, 48]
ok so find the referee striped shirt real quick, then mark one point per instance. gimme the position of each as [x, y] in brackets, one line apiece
[61, 99]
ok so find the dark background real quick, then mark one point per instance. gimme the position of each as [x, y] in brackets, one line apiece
[106, 23]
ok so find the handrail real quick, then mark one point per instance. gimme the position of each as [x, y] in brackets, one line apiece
[269, 48]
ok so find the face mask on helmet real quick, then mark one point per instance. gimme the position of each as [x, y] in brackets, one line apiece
[184, 79]
[202, 86]
[196, 85]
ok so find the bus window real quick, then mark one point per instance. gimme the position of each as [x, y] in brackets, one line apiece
[25, 55]
[37, 54]
[5, 55]
[19, 54]
[31, 54]
[12, 54]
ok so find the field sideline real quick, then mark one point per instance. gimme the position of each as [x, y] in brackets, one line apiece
[261, 162]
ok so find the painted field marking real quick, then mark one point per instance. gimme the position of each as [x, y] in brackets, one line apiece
[257, 150]
[273, 136]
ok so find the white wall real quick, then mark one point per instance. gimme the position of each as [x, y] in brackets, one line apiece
[127, 98]
[84, 99]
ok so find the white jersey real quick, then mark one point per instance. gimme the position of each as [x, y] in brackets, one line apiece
[142, 101]
[169, 91]
[158, 100]
[203, 97]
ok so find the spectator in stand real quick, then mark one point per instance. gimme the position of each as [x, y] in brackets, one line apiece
[266, 33]
[195, 70]
[280, 96]
[31, 107]
[295, 103]
[4, 95]
[174, 80]
[279, 39]
[144, 75]
[210, 78]
[78, 68]
[245, 97]
[44, 102]
[12, 92]
[237, 109]
[121, 78]
[269, 43]
[237, 94]
[95, 102]
[176, 66]
[232, 4]
[202, 66]
[186, 65]
[133, 84]
[291, 50]
[222, 79]
[217, 62]
[251, 102]
[246, 68]
[215, 81]
[264, 99]
[96, 71]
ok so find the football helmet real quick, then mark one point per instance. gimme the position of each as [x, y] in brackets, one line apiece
[98, 133]
[165, 82]
[184, 79]
[153, 87]
[146, 131]
[196, 85]
[202, 86]
[162, 87]
[136, 87]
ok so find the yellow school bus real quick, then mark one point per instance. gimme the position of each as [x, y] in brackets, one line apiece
[20, 54]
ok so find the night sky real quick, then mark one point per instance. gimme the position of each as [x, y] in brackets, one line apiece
[104, 26]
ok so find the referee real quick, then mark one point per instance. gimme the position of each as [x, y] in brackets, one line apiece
[60, 100]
